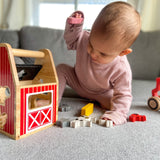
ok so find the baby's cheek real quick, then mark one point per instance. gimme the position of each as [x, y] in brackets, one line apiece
[106, 60]
[103, 60]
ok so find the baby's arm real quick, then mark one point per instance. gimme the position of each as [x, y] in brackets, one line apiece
[121, 100]
[73, 29]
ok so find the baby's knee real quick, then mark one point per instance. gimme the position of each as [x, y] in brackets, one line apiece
[64, 70]
[61, 67]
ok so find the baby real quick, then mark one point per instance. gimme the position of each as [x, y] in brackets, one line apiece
[102, 72]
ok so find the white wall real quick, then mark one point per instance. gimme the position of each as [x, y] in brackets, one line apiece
[1, 11]
[15, 13]
[149, 11]
[20, 13]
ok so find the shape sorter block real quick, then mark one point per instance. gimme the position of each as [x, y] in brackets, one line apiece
[81, 122]
[87, 110]
[63, 123]
[19, 99]
[64, 108]
[136, 117]
[106, 123]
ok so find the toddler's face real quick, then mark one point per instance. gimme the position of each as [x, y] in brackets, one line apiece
[102, 51]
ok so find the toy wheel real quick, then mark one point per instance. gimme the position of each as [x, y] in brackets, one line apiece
[154, 103]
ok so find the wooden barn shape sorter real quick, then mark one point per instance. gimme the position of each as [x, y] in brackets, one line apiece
[28, 92]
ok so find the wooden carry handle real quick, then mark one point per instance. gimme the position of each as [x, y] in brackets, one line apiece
[28, 53]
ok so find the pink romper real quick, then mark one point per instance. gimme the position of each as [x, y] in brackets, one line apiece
[109, 84]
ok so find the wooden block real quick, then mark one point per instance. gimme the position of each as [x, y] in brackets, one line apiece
[64, 108]
[81, 122]
[87, 110]
[63, 123]
[106, 123]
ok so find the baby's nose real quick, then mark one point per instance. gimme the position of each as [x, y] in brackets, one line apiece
[92, 52]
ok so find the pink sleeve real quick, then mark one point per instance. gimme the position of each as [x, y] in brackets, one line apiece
[72, 33]
[121, 100]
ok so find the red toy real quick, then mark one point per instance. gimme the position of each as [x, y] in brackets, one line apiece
[136, 117]
[154, 101]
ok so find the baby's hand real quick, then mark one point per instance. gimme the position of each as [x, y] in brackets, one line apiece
[76, 18]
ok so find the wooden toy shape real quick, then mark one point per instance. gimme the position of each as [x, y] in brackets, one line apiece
[136, 117]
[63, 123]
[64, 108]
[81, 122]
[106, 123]
[87, 110]
[154, 101]
[109, 124]
[94, 119]
[22, 119]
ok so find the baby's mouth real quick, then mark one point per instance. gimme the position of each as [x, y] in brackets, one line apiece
[95, 61]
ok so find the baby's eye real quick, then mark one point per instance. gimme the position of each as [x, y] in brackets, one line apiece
[103, 54]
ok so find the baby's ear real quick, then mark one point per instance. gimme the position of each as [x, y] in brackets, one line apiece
[125, 52]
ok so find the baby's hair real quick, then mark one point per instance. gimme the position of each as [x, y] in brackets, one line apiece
[119, 19]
